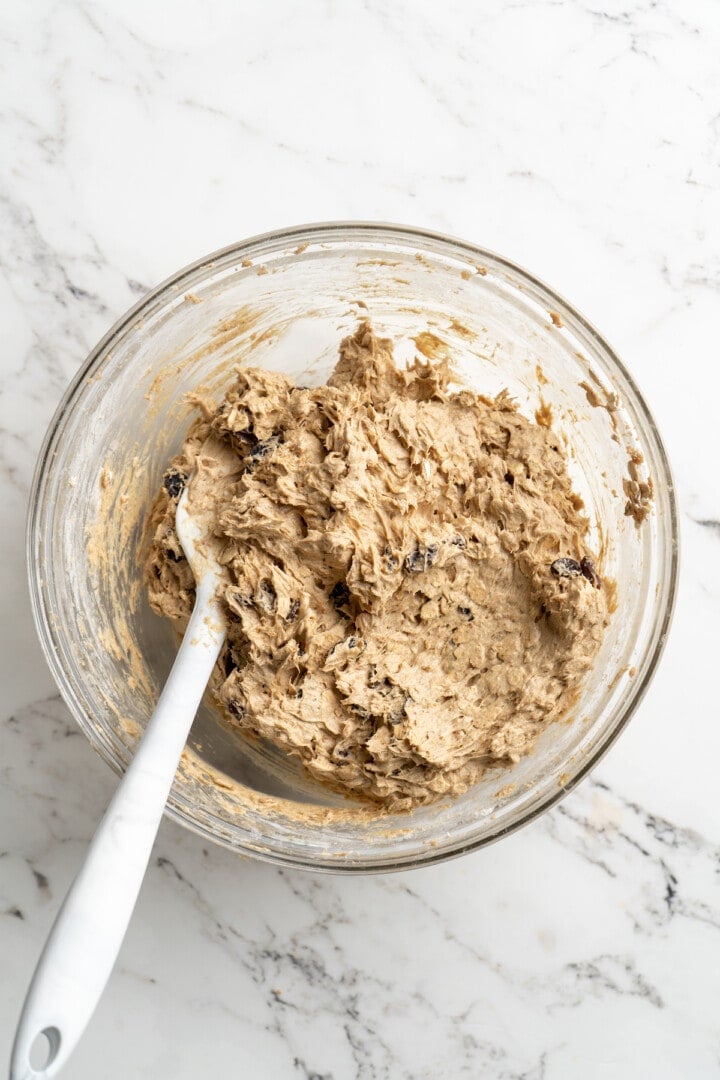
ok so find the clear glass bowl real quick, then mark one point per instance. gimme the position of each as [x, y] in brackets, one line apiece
[284, 301]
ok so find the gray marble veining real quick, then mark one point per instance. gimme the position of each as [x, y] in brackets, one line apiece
[580, 139]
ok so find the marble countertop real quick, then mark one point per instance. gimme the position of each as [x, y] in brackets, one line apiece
[581, 140]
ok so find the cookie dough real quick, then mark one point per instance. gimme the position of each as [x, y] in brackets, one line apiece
[410, 595]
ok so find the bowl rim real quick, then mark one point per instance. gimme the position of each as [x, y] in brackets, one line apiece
[313, 233]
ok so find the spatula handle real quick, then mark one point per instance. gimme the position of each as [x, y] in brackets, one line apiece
[89, 929]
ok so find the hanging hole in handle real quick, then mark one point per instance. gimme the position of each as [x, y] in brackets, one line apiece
[44, 1049]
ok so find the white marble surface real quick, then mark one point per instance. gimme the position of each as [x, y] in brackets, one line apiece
[581, 139]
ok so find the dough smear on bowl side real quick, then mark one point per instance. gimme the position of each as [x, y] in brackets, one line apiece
[412, 598]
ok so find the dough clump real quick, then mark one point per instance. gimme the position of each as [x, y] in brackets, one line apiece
[410, 596]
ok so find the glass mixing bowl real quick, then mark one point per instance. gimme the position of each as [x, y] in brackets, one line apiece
[284, 301]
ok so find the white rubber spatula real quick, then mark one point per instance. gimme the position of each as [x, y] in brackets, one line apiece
[89, 929]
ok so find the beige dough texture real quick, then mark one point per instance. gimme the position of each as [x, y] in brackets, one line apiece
[410, 596]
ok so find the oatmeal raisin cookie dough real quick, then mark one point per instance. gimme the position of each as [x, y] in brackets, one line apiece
[410, 597]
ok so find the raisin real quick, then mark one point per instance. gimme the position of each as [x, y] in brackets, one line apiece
[509, 479]
[292, 611]
[244, 599]
[466, 613]
[391, 561]
[298, 694]
[587, 568]
[351, 642]
[421, 558]
[247, 435]
[415, 562]
[565, 568]
[395, 698]
[265, 448]
[174, 483]
[260, 450]
[340, 596]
